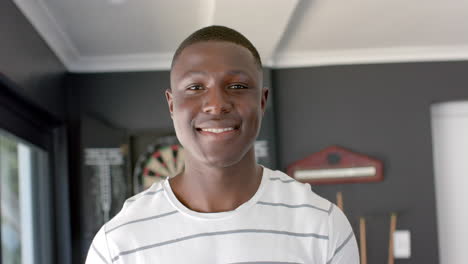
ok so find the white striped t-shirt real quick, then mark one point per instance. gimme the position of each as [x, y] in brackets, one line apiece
[284, 222]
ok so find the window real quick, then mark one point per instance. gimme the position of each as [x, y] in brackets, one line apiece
[18, 161]
[34, 223]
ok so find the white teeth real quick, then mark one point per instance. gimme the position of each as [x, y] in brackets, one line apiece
[217, 130]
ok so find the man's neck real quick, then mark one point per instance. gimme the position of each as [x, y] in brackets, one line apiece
[205, 188]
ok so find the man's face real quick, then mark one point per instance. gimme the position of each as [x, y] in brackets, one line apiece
[216, 101]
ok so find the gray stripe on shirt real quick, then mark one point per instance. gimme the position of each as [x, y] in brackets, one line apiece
[145, 193]
[99, 254]
[238, 231]
[141, 220]
[330, 209]
[293, 206]
[279, 179]
[341, 246]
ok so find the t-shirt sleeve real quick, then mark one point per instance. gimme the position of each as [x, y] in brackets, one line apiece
[98, 252]
[342, 246]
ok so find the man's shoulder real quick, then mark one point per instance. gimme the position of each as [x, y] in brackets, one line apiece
[143, 204]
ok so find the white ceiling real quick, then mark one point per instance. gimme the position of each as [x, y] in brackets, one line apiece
[132, 35]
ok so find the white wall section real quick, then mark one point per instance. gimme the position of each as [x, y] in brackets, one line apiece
[450, 149]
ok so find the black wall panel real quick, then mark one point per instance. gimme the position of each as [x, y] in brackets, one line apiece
[26, 59]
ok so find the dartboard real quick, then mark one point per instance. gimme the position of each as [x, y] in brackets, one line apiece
[160, 161]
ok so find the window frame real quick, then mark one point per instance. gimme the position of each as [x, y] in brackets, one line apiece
[28, 121]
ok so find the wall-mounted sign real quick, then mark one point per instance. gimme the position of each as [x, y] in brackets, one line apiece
[261, 150]
[102, 159]
[334, 165]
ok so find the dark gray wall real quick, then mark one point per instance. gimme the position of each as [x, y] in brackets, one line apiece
[27, 60]
[379, 110]
[130, 100]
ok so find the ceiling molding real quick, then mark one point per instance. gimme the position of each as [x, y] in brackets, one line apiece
[148, 62]
[44, 22]
[370, 56]
[136, 62]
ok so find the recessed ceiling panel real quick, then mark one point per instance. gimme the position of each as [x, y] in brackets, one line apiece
[371, 24]
[107, 28]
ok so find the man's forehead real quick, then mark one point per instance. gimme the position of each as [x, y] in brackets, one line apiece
[216, 51]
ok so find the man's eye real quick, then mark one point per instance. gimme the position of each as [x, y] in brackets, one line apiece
[238, 86]
[194, 87]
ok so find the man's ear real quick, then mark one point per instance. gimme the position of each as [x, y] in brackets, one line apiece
[169, 100]
[265, 91]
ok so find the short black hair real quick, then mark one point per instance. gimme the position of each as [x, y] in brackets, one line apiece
[218, 33]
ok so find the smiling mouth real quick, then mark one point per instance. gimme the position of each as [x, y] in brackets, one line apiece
[217, 130]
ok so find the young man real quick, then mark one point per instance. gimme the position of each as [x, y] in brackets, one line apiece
[224, 207]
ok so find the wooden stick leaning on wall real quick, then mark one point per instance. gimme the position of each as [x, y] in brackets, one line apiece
[362, 229]
[339, 200]
[393, 223]
[362, 240]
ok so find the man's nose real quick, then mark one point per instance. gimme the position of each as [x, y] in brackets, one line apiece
[217, 101]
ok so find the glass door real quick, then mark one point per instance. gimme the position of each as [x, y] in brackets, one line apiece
[20, 162]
